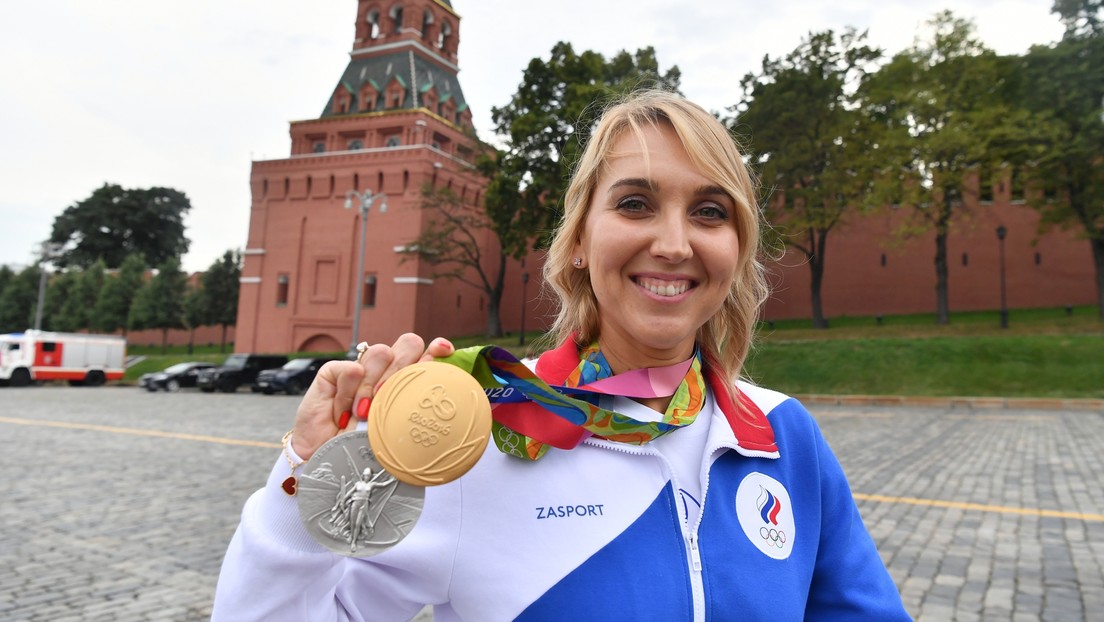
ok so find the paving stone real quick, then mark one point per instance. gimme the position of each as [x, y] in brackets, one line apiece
[123, 527]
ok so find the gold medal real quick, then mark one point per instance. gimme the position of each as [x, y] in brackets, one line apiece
[429, 423]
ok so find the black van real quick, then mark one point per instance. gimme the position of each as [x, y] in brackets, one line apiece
[237, 370]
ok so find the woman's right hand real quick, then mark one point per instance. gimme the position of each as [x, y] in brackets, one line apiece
[348, 386]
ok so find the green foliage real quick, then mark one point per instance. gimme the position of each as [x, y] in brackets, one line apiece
[195, 310]
[810, 144]
[18, 300]
[944, 116]
[59, 289]
[220, 285]
[553, 112]
[77, 311]
[1064, 83]
[160, 302]
[116, 222]
[114, 301]
[6, 276]
[1082, 18]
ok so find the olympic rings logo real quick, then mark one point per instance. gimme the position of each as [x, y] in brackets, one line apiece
[437, 399]
[423, 438]
[773, 537]
[509, 441]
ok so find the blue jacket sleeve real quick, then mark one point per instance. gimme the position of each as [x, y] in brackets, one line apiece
[850, 580]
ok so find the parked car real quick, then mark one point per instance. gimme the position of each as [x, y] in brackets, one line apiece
[237, 370]
[175, 377]
[293, 378]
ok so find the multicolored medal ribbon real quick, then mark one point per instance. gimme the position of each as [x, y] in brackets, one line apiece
[522, 401]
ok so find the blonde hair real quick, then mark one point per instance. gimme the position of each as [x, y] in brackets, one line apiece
[724, 339]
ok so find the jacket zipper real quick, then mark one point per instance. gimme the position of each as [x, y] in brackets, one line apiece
[690, 535]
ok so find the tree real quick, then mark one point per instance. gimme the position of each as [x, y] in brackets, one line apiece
[6, 276]
[219, 288]
[195, 313]
[1065, 84]
[551, 116]
[944, 119]
[18, 300]
[78, 308]
[1082, 18]
[809, 142]
[59, 289]
[454, 240]
[116, 222]
[160, 302]
[117, 294]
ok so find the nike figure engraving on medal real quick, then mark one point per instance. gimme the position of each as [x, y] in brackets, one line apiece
[350, 504]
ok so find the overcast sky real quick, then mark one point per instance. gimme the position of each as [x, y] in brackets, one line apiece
[187, 94]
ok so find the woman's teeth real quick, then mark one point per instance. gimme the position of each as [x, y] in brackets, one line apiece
[664, 288]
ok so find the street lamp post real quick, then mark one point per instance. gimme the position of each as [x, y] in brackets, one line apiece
[524, 302]
[1002, 231]
[48, 250]
[364, 201]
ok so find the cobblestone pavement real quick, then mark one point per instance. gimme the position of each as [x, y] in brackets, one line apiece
[980, 514]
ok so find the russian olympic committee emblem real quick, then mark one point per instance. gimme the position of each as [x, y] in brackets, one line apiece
[766, 515]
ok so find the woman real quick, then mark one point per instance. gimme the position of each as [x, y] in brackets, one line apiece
[731, 507]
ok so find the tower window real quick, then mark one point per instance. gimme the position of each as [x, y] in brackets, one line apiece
[1038, 259]
[368, 297]
[965, 259]
[396, 19]
[883, 260]
[319, 147]
[356, 144]
[374, 24]
[282, 289]
[427, 21]
[443, 35]
[393, 141]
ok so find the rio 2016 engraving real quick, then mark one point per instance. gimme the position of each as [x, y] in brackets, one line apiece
[430, 424]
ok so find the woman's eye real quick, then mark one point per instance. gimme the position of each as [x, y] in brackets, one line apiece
[712, 212]
[632, 205]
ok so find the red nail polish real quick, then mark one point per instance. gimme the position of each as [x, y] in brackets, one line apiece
[362, 407]
[344, 421]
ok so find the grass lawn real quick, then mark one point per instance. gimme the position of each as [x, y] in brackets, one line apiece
[1001, 366]
[1043, 353]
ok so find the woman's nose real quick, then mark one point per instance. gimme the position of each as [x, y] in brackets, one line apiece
[671, 239]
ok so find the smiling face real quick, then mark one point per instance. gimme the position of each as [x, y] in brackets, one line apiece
[661, 247]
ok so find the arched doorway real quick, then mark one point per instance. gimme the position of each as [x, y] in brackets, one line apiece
[321, 343]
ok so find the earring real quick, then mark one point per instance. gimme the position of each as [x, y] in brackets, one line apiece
[578, 263]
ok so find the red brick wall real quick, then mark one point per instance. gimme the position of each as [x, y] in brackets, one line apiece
[856, 282]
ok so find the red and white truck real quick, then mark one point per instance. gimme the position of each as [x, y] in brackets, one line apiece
[37, 355]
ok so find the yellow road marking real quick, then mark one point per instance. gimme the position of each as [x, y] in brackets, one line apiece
[138, 432]
[858, 495]
[1009, 418]
[852, 414]
[979, 507]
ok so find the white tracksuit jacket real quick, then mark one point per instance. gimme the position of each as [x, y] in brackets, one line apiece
[593, 533]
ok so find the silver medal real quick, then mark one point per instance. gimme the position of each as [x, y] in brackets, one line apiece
[350, 504]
